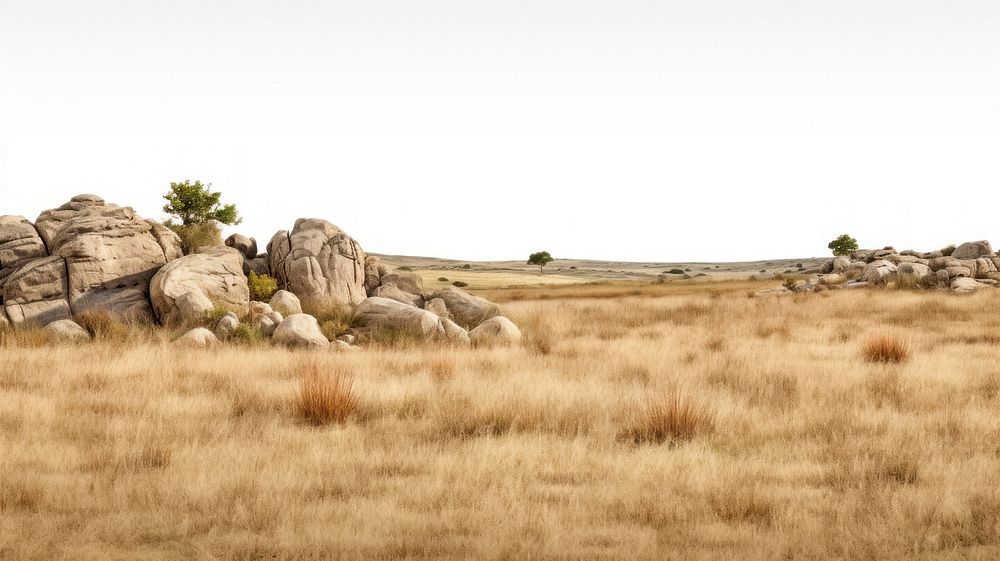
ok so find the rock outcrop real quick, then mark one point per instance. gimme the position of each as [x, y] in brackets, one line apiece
[390, 315]
[66, 331]
[318, 261]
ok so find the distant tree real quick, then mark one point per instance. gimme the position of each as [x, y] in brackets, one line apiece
[198, 211]
[541, 258]
[843, 245]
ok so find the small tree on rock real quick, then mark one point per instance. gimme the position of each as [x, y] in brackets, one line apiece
[199, 211]
[843, 245]
[541, 258]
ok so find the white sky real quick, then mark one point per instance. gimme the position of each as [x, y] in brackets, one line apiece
[635, 130]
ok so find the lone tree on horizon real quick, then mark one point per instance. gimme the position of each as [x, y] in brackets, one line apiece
[843, 245]
[199, 210]
[541, 258]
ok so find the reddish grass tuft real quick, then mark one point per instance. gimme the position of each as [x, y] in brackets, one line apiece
[886, 349]
[326, 398]
[671, 418]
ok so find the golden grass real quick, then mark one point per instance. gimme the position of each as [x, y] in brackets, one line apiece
[126, 449]
[326, 397]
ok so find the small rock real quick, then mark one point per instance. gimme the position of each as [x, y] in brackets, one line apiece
[226, 326]
[285, 302]
[300, 330]
[496, 330]
[197, 337]
[964, 285]
[66, 331]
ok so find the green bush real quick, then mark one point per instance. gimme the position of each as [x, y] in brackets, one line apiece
[460, 284]
[262, 287]
[443, 279]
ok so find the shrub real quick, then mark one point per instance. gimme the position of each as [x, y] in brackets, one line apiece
[885, 349]
[325, 398]
[466, 266]
[195, 237]
[262, 287]
[404, 268]
[460, 284]
[676, 271]
[443, 279]
[789, 284]
[672, 419]
[331, 329]
[247, 335]
[102, 325]
[332, 317]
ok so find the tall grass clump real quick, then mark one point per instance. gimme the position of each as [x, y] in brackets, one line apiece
[672, 418]
[885, 349]
[326, 398]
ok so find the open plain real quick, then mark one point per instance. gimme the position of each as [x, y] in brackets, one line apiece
[638, 420]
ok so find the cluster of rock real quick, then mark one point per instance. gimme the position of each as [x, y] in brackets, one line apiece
[91, 255]
[963, 269]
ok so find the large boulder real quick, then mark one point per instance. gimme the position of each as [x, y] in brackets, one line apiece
[19, 242]
[374, 269]
[66, 331]
[973, 250]
[36, 292]
[217, 274]
[964, 285]
[496, 330]
[878, 271]
[197, 337]
[392, 292]
[840, 264]
[300, 330]
[438, 307]
[110, 254]
[246, 246]
[467, 310]
[391, 315]
[286, 303]
[318, 261]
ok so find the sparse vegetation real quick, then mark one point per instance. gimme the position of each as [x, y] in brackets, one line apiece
[460, 284]
[131, 448]
[262, 287]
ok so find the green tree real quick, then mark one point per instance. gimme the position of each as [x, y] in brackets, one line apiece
[541, 258]
[194, 203]
[199, 211]
[843, 245]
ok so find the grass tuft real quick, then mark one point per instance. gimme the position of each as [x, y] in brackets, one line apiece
[672, 418]
[326, 398]
[885, 349]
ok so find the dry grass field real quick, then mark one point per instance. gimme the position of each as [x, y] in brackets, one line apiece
[638, 421]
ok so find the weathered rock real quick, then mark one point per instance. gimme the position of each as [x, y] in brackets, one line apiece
[984, 266]
[857, 284]
[973, 250]
[840, 264]
[956, 272]
[167, 239]
[465, 309]
[110, 253]
[438, 307]
[286, 303]
[19, 242]
[939, 263]
[410, 283]
[217, 274]
[246, 246]
[300, 330]
[374, 269]
[226, 326]
[496, 330]
[318, 261]
[878, 272]
[339, 345]
[964, 285]
[392, 292]
[832, 278]
[191, 308]
[943, 278]
[258, 265]
[390, 315]
[197, 337]
[37, 291]
[913, 270]
[66, 331]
